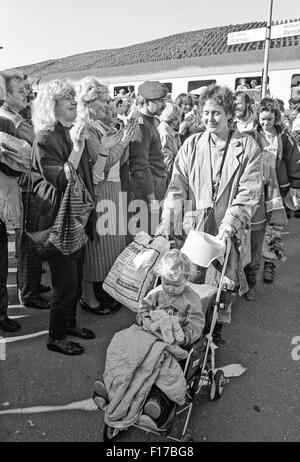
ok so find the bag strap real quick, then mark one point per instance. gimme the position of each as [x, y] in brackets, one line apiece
[219, 176]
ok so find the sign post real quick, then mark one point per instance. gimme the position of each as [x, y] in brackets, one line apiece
[264, 86]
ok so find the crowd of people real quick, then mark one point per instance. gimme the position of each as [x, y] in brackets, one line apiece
[236, 163]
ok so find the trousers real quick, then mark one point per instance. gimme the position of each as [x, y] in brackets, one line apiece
[251, 270]
[66, 274]
[29, 269]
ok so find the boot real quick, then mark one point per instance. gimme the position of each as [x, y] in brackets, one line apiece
[269, 271]
[251, 294]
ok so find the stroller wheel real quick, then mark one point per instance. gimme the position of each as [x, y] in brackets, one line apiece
[109, 433]
[217, 385]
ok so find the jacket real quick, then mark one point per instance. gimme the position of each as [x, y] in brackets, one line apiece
[287, 176]
[51, 150]
[145, 156]
[10, 210]
[239, 191]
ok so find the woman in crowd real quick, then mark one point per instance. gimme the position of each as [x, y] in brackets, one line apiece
[54, 112]
[103, 142]
[281, 171]
[170, 140]
[190, 120]
[218, 173]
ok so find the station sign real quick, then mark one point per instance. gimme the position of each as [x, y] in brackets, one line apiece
[256, 35]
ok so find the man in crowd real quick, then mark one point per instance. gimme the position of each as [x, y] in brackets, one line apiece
[244, 118]
[148, 178]
[29, 264]
[8, 186]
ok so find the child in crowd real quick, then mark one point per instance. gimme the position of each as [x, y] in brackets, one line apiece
[174, 297]
[177, 310]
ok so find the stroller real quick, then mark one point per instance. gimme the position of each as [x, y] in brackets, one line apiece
[199, 372]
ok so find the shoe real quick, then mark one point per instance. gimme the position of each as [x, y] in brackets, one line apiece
[9, 325]
[269, 272]
[42, 289]
[100, 390]
[37, 302]
[152, 408]
[115, 306]
[251, 294]
[98, 310]
[297, 214]
[66, 348]
[81, 332]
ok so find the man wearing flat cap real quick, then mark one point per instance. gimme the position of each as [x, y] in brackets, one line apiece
[148, 177]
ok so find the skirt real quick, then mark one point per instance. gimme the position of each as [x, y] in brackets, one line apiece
[108, 242]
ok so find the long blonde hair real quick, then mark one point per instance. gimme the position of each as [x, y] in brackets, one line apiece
[87, 90]
[43, 114]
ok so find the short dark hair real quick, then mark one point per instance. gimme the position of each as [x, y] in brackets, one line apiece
[222, 95]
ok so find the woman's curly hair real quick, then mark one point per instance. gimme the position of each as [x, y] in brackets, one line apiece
[222, 95]
[43, 109]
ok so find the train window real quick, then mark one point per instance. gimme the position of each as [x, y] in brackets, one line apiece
[246, 83]
[295, 86]
[124, 90]
[168, 85]
[197, 84]
[296, 80]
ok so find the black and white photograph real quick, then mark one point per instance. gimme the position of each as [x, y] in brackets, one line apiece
[150, 224]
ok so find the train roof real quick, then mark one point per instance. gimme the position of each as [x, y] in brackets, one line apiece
[221, 64]
[204, 49]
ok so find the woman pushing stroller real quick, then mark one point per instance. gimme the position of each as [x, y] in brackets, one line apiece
[216, 183]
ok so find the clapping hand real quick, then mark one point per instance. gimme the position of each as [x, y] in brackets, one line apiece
[77, 134]
[109, 141]
[129, 130]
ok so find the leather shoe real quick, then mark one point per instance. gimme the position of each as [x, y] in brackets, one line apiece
[38, 303]
[9, 325]
[43, 289]
[66, 348]
[98, 310]
[81, 332]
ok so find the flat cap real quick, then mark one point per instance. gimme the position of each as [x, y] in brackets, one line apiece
[152, 90]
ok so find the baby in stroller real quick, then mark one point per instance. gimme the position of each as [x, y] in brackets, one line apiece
[178, 309]
[172, 312]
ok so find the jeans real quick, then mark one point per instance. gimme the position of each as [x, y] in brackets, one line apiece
[251, 270]
[66, 274]
[3, 271]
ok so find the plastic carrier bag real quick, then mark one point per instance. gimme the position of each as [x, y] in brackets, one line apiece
[132, 275]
